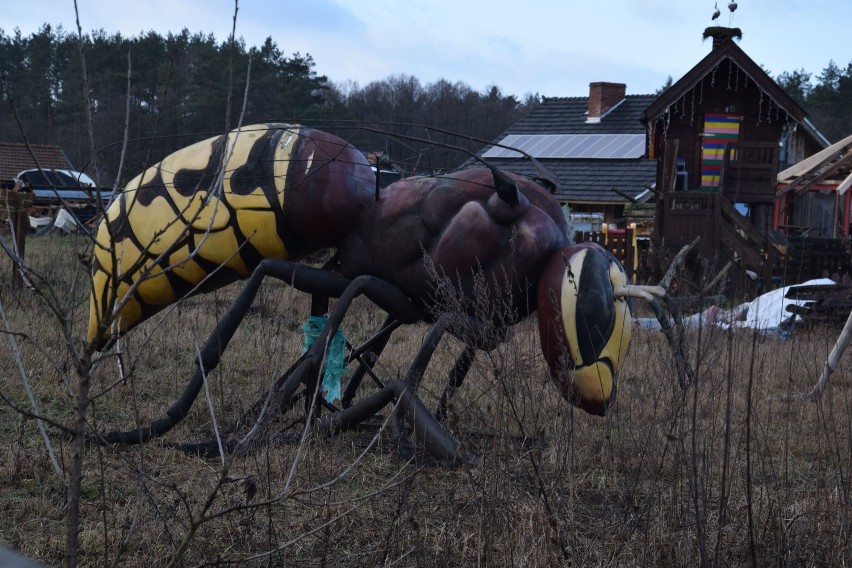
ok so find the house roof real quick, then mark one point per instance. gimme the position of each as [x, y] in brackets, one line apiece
[591, 180]
[15, 158]
[567, 115]
[585, 180]
[727, 49]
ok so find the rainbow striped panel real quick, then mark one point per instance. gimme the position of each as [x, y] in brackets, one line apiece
[719, 129]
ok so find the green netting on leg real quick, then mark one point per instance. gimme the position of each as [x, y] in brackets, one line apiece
[335, 356]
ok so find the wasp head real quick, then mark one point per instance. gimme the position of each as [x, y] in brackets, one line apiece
[584, 325]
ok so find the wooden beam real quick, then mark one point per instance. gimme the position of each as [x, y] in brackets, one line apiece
[817, 159]
[844, 161]
[845, 184]
[617, 191]
[670, 165]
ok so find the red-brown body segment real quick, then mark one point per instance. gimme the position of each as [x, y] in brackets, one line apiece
[459, 223]
[286, 191]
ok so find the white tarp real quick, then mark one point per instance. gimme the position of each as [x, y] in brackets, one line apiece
[765, 313]
[65, 221]
[40, 222]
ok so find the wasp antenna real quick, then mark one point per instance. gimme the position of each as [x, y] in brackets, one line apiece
[507, 188]
[544, 176]
[647, 293]
[650, 294]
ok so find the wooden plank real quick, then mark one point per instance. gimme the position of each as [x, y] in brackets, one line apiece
[845, 184]
[811, 162]
[670, 164]
[842, 162]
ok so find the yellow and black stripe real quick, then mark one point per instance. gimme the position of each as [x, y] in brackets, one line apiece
[174, 230]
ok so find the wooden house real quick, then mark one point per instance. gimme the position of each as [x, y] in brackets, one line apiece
[812, 211]
[720, 134]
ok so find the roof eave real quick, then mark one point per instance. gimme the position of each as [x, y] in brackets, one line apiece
[727, 49]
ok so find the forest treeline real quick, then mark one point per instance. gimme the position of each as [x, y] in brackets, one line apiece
[827, 97]
[187, 86]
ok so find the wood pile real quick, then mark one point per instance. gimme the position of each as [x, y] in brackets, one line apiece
[824, 304]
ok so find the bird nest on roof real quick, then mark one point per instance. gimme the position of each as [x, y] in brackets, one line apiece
[722, 33]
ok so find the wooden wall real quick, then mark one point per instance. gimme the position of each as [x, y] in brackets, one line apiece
[729, 91]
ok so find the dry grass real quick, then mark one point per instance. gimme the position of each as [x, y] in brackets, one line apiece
[724, 473]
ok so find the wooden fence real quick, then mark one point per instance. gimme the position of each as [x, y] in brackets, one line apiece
[622, 243]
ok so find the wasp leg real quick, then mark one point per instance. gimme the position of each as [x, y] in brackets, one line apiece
[428, 431]
[367, 355]
[455, 379]
[303, 278]
[305, 372]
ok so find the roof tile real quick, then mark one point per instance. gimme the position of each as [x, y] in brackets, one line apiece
[15, 158]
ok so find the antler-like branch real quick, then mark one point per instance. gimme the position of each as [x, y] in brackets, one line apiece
[650, 294]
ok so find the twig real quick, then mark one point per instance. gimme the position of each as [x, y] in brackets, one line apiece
[717, 278]
[210, 403]
[678, 260]
[231, 68]
[39, 421]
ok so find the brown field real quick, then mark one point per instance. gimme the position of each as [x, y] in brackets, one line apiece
[725, 473]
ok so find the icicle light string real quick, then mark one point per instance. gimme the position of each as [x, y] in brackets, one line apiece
[730, 64]
[692, 114]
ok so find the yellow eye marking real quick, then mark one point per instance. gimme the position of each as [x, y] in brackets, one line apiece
[569, 304]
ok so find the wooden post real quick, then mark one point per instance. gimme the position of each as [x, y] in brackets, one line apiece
[16, 202]
[21, 221]
[670, 165]
[631, 255]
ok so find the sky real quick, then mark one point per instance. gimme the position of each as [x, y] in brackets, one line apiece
[546, 47]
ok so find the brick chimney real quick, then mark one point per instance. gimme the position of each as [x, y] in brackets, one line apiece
[602, 97]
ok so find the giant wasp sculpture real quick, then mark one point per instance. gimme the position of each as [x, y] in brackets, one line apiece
[254, 203]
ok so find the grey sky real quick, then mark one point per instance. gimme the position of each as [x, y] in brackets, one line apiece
[554, 47]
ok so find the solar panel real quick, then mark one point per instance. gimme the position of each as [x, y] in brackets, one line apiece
[599, 146]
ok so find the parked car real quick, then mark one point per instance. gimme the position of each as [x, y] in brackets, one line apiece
[73, 190]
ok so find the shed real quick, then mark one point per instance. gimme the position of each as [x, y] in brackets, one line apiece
[15, 158]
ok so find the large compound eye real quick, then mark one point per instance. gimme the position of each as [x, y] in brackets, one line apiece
[585, 329]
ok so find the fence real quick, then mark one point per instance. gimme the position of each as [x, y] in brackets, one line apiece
[622, 243]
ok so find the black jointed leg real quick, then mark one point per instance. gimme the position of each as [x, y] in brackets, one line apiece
[301, 277]
[455, 379]
[367, 355]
